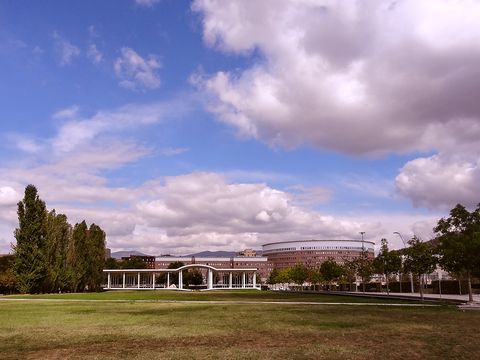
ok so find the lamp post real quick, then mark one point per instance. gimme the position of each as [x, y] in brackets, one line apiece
[405, 245]
[362, 232]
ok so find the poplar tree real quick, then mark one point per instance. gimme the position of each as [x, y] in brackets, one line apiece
[59, 237]
[96, 256]
[78, 257]
[29, 264]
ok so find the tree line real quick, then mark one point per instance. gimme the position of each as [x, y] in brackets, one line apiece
[50, 255]
[455, 248]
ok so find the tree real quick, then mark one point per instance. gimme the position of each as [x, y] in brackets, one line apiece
[387, 262]
[363, 266]
[349, 273]
[134, 262]
[273, 278]
[29, 264]
[112, 263]
[420, 260]
[459, 249]
[330, 271]
[58, 240]
[8, 281]
[96, 256]
[78, 257]
[299, 273]
[193, 277]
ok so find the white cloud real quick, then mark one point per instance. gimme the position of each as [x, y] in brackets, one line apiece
[357, 77]
[78, 131]
[94, 54]
[311, 196]
[65, 49]
[137, 72]
[354, 77]
[440, 182]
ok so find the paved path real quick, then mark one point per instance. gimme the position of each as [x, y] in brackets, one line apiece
[226, 302]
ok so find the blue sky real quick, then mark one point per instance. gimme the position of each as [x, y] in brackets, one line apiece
[184, 126]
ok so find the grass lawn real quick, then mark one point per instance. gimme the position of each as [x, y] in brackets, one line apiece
[164, 330]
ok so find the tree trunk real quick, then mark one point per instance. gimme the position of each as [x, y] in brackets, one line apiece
[421, 287]
[470, 294]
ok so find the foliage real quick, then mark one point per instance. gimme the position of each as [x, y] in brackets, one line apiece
[273, 278]
[364, 267]
[420, 259]
[349, 272]
[112, 263]
[299, 273]
[8, 281]
[387, 262]
[330, 271]
[49, 255]
[29, 264]
[134, 262]
[192, 277]
[459, 237]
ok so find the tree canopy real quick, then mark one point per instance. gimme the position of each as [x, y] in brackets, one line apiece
[459, 238]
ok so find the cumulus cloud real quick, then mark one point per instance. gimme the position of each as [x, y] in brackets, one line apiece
[136, 72]
[64, 49]
[356, 77]
[440, 182]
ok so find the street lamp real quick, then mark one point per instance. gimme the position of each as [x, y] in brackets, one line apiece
[362, 232]
[405, 245]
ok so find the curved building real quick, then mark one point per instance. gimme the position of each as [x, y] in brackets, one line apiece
[312, 253]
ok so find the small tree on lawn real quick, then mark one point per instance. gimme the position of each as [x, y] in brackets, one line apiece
[330, 271]
[459, 249]
[299, 274]
[364, 268]
[388, 262]
[420, 259]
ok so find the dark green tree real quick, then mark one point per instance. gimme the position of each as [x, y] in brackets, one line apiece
[459, 248]
[192, 277]
[58, 241]
[78, 257]
[96, 256]
[388, 262]
[420, 259]
[273, 278]
[330, 271]
[112, 263]
[29, 264]
[299, 273]
[134, 262]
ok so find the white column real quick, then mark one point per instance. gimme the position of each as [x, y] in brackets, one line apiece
[153, 279]
[124, 280]
[243, 280]
[108, 286]
[168, 280]
[180, 279]
[254, 280]
[210, 279]
[138, 284]
[231, 281]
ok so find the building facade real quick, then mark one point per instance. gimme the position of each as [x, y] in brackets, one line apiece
[260, 263]
[312, 253]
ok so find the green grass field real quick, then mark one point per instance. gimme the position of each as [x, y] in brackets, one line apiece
[133, 329]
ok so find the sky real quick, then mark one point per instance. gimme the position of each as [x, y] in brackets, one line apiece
[182, 126]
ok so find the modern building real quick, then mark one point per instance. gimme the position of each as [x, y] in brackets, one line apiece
[312, 253]
[237, 262]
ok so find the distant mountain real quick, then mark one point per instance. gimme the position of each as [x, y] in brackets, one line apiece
[120, 254]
